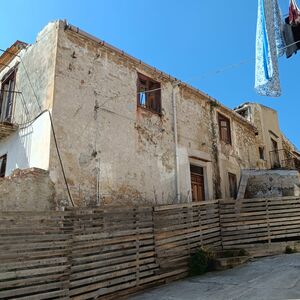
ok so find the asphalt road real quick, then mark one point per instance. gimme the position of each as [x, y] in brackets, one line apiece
[276, 277]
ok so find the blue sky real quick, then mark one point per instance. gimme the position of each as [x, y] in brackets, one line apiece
[191, 40]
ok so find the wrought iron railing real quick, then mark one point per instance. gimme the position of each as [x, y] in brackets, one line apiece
[284, 159]
[13, 108]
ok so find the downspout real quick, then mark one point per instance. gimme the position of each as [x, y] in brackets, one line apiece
[177, 181]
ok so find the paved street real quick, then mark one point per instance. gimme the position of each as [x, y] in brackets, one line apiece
[275, 277]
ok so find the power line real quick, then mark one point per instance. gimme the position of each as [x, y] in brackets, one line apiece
[59, 157]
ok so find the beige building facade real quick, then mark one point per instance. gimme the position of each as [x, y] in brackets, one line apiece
[122, 131]
[275, 150]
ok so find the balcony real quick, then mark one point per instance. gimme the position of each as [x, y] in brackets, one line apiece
[7, 105]
[285, 160]
[7, 129]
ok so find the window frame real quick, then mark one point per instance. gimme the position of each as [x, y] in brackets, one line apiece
[3, 158]
[7, 97]
[222, 118]
[198, 171]
[152, 100]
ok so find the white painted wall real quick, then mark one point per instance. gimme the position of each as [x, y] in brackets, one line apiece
[28, 147]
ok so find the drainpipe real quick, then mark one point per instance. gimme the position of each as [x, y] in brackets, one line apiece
[177, 182]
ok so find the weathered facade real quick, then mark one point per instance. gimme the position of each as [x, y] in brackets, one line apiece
[27, 190]
[275, 150]
[118, 144]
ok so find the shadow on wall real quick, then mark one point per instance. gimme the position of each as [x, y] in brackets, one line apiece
[18, 150]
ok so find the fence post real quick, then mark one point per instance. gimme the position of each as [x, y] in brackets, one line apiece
[68, 228]
[268, 221]
[220, 223]
[137, 244]
[200, 225]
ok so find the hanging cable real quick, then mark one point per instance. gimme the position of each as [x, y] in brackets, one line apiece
[60, 160]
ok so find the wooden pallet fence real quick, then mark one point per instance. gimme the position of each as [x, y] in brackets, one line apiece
[113, 250]
[249, 221]
[34, 249]
[92, 253]
[180, 229]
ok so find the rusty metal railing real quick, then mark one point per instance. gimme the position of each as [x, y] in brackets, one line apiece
[284, 159]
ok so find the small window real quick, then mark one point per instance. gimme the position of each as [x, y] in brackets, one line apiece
[224, 129]
[261, 152]
[3, 165]
[148, 93]
[232, 185]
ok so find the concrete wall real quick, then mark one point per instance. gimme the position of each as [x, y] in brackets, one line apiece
[272, 183]
[30, 145]
[27, 190]
[126, 153]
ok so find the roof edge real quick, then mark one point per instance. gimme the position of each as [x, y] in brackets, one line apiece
[77, 30]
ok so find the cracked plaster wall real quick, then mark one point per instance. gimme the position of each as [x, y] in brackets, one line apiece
[105, 138]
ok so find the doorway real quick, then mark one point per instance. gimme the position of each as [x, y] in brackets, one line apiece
[197, 183]
[275, 162]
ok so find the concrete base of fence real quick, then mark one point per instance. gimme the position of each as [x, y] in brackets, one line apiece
[261, 250]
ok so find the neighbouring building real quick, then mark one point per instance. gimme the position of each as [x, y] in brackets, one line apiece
[275, 150]
[278, 169]
[111, 129]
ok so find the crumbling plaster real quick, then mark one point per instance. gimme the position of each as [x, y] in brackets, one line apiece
[104, 138]
[27, 190]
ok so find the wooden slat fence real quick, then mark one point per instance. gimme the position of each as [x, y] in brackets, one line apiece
[34, 248]
[94, 253]
[181, 229]
[113, 250]
[108, 252]
[250, 221]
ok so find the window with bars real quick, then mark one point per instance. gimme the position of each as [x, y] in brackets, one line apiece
[3, 160]
[224, 129]
[148, 93]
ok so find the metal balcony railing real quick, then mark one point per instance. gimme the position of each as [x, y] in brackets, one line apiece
[284, 159]
[13, 112]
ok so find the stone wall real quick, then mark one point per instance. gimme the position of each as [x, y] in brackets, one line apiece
[27, 190]
[272, 183]
[117, 153]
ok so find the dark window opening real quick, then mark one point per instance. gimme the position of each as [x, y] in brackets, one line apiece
[274, 154]
[261, 152]
[197, 183]
[224, 129]
[243, 113]
[232, 185]
[3, 165]
[7, 97]
[148, 93]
